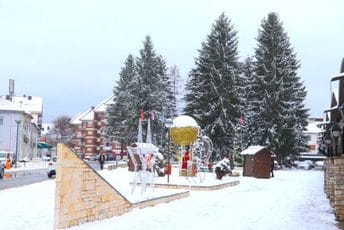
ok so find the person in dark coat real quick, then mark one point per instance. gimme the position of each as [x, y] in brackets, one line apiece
[101, 161]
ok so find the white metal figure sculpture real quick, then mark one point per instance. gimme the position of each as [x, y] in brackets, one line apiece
[143, 157]
[202, 149]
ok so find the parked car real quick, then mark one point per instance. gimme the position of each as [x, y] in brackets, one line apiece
[110, 157]
[319, 165]
[307, 164]
[52, 167]
[2, 170]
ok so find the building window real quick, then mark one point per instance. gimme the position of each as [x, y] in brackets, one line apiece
[308, 137]
[1, 120]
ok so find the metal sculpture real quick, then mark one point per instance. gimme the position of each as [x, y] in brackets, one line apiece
[142, 156]
[202, 149]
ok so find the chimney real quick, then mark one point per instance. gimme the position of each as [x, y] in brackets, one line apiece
[11, 87]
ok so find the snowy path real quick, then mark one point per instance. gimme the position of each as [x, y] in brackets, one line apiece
[292, 200]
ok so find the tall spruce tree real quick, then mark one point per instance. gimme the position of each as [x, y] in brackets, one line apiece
[211, 96]
[123, 111]
[155, 95]
[143, 86]
[247, 98]
[280, 114]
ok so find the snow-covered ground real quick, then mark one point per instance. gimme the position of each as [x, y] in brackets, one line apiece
[293, 199]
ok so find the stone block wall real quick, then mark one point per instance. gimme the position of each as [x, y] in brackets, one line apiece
[339, 188]
[329, 179]
[164, 199]
[334, 185]
[82, 195]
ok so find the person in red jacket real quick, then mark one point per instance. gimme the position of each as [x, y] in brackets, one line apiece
[185, 159]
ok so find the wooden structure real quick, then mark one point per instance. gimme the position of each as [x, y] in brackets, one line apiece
[257, 162]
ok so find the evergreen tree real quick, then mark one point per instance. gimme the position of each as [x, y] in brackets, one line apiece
[122, 113]
[212, 98]
[155, 94]
[280, 114]
[247, 95]
[251, 102]
[143, 86]
[167, 93]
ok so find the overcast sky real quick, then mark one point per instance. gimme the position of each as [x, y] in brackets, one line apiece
[70, 52]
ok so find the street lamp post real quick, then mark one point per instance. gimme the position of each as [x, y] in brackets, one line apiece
[17, 142]
[57, 139]
[168, 125]
[336, 130]
[328, 141]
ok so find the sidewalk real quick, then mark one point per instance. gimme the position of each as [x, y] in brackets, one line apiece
[43, 164]
[31, 165]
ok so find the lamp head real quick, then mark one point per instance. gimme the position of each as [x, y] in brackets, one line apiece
[168, 123]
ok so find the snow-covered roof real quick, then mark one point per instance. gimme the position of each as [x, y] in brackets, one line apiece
[337, 77]
[184, 121]
[8, 105]
[89, 114]
[251, 150]
[77, 118]
[29, 104]
[104, 104]
[312, 127]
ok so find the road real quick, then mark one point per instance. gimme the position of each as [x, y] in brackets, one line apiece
[21, 178]
[26, 177]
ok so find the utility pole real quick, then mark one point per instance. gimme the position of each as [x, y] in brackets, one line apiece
[17, 141]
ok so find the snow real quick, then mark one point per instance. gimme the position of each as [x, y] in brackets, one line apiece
[312, 127]
[293, 199]
[251, 150]
[104, 104]
[28, 104]
[184, 121]
[147, 148]
[76, 120]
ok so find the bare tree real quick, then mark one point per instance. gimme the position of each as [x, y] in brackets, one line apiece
[178, 85]
[62, 131]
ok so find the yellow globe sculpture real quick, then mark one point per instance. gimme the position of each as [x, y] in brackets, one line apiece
[184, 130]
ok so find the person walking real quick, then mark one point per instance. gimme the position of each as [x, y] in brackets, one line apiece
[272, 166]
[101, 161]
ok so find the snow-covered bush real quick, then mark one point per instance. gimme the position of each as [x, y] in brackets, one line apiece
[222, 168]
[159, 164]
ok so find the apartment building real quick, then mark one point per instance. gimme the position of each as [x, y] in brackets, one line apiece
[89, 130]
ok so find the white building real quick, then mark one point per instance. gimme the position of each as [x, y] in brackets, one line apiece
[20, 125]
[312, 133]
